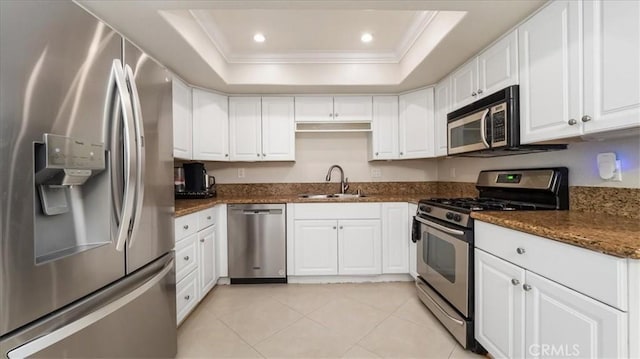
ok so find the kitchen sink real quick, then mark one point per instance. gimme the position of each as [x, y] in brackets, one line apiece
[328, 196]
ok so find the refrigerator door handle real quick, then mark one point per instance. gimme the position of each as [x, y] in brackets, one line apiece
[140, 154]
[117, 76]
[66, 331]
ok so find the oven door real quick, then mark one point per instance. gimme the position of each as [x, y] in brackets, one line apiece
[443, 261]
[468, 133]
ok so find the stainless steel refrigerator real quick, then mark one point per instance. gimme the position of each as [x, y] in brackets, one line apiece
[86, 228]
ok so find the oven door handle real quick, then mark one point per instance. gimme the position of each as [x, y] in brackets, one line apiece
[440, 227]
[483, 128]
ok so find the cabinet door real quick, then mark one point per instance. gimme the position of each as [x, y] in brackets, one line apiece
[416, 124]
[499, 301]
[567, 323]
[314, 108]
[498, 65]
[359, 246]
[352, 108]
[395, 238]
[464, 85]
[550, 85]
[207, 246]
[611, 65]
[278, 129]
[245, 133]
[316, 247]
[384, 144]
[182, 126]
[442, 108]
[413, 249]
[210, 126]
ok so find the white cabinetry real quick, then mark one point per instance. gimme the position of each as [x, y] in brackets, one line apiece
[384, 128]
[261, 129]
[395, 238]
[182, 126]
[494, 69]
[579, 70]
[413, 248]
[442, 108]
[330, 239]
[520, 313]
[416, 124]
[207, 244]
[329, 109]
[210, 126]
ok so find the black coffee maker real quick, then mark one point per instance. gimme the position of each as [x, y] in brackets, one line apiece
[197, 183]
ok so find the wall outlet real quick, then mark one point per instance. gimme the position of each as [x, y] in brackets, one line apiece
[376, 173]
[240, 172]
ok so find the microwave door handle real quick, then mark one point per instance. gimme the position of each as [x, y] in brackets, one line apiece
[483, 128]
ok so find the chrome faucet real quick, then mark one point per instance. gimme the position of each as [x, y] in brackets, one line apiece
[344, 182]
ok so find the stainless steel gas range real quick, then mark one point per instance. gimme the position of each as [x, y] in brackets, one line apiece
[443, 232]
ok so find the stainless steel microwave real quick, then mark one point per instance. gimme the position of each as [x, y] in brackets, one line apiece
[490, 127]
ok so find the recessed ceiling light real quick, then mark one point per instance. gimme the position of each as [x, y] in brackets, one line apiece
[258, 37]
[366, 37]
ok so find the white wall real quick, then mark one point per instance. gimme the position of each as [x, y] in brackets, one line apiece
[580, 158]
[315, 153]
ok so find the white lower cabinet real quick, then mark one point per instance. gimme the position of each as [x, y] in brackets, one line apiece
[395, 238]
[316, 247]
[359, 249]
[520, 313]
[197, 269]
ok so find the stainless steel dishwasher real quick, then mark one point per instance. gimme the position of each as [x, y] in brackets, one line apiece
[257, 243]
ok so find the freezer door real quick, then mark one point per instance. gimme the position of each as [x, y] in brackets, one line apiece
[57, 77]
[134, 318]
[152, 234]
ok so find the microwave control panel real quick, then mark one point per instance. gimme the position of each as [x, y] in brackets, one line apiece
[499, 124]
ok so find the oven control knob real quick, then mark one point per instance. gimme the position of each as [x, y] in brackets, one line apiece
[427, 209]
[457, 217]
[449, 215]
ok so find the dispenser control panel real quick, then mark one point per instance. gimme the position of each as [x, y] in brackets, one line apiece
[73, 154]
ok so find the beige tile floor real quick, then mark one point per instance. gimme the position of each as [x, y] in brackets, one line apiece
[369, 320]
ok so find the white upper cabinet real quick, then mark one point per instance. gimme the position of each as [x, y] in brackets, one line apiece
[494, 69]
[261, 129]
[498, 66]
[352, 108]
[549, 56]
[210, 126]
[464, 84]
[314, 108]
[611, 65]
[442, 108]
[245, 135]
[384, 128]
[331, 109]
[580, 80]
[278, 129]
[416, 124]
[182, 126]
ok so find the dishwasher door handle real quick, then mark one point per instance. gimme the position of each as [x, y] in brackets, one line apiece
[251, 212]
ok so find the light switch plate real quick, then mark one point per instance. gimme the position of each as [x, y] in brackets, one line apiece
[376, 173]
[240, 172]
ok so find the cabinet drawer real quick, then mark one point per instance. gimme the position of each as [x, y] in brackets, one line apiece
[594, 274]
[186, 295]
[186, 256]
[337, 211]
[185, 226]
[206, 218]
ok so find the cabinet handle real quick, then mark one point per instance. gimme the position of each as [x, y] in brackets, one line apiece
[187, 297]
[226, 155]
[480, 91]
[401, 153]
[586, 118]
[330, 115]
[186, 258]
[520, 250]
[257, 154]
[209, 218]
[334, 227]
[264, 155]
[336, 114]
[376, 153]
[341, 227]
[202, 240]
[572, 122]
[473, 94]
[185, 227]
[526, 287]
[515, 281]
